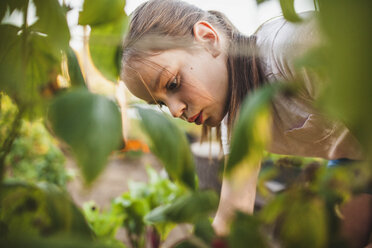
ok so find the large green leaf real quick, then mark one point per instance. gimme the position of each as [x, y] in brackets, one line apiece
[188, 208]
[348, 97]
[252, 130]
[289, 11]
[52, 22]
[39, 211]
[101, 11]
[90, 124]
[10, 59]
[26, 67]
[170, 145]
[105, 47]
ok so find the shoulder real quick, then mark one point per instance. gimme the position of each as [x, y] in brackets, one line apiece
[282, 39]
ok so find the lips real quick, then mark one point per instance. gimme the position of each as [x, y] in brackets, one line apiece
[198, 118]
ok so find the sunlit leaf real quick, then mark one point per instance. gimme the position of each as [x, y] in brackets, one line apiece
[90, 124]
[52, 22]
[188, 208]
[170, 145]
[289, 11]
[252, 130]
[101, 11]
[74, 71]
[105, 47]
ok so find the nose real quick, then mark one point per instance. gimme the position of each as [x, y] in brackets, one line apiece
[176, 107]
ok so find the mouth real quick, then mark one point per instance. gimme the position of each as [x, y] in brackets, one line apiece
[198, 118]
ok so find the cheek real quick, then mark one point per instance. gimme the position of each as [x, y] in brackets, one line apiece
[195, 93]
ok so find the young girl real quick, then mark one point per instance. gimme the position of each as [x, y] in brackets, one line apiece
[201, 67]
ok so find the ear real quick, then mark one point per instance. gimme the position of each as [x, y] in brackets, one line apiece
[207, 35]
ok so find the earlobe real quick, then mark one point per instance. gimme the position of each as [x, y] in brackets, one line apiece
[206, 34]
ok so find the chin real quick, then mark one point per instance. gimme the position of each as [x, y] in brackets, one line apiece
[212, 122]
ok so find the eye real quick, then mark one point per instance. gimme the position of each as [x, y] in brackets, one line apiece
[161, 104]
[173, 84]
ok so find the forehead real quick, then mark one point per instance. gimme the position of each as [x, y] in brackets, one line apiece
[143, 75]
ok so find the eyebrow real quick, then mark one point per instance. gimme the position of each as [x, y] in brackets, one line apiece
[157, 83]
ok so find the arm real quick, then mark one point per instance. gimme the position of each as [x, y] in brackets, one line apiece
[235, 196]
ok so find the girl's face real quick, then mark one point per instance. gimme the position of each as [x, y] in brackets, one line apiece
[192, 83]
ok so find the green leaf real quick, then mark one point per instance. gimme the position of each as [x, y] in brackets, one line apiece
[39, 211]
[289, 11]
[245, 232]
[90, 124]
[204, 230]
[27, 69]
[251, 131]
[304, 222]
[105, 47]
[348, 95]
[10, 59]
[74, 71]
[97, 12]
[52, 22]
[188, 208]
[170, 145]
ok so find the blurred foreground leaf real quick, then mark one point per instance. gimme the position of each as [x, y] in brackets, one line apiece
[289, 11]
[39, 211]
[105, 47]
[170, 145]
[252, 130]
[100, 11]
[245, 232]
[90, 124]
[50, 16]
[188, 208]
[348, 97]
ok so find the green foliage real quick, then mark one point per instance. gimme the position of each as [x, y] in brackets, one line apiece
[105, 47]
[188, 208]
[105, 224]
[170, 145]
[251, 131]
[39, 211]
[31, 55]
[108, 23]
[35, 156]
[97, 12]
[82, 120]
[241, 238]
[349, 86]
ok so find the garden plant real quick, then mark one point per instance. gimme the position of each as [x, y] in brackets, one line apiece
[35, 58]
